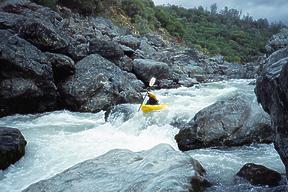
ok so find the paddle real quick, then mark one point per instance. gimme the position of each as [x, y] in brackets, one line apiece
[151, 83]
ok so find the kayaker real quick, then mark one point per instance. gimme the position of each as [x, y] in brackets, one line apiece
[152, 99]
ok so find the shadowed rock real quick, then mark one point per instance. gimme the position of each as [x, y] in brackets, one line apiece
[12, 146]
[272, 92]
[259, 175]
[26, 77]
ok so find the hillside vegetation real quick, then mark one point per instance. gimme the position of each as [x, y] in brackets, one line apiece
[238, 37]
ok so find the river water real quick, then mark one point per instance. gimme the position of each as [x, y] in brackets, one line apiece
[61, 139]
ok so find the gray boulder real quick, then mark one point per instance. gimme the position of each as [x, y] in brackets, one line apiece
[158, 169]
[38, 25]
[12, 146]
[97, 85]
[107, 49]
[232, 121]
[272, 92]
[26, 77]
[144, 69]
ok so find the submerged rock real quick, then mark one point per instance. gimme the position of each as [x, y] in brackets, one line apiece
[12, 146]
[97, 85]
[158, 169]
[272, 92]
[232, 121]
[259, 175]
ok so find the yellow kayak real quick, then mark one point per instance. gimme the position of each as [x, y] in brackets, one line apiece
[149, 108]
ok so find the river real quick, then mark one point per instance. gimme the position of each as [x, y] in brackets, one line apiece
[61, 139]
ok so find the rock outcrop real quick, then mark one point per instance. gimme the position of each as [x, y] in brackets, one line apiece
[158, 169]
[232, 121]
[259, 175]
[26, 77]
[272, 92]
[12, 146]
[278, 41]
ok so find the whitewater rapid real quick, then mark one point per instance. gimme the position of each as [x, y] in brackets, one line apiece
[61, 139]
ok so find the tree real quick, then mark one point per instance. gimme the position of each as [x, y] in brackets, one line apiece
[213, 9]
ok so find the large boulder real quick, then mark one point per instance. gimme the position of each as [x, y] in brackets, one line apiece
[107, 49]
[158, 169]
[232, 121]
[26, 77]
[144, 69]
[272, 92]
[38, 25]
[259, 175]
[12, 146]
[97, 85]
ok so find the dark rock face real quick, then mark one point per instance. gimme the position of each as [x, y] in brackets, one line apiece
[272, 92]
[96, 85]
[26, 77]
[259, 175]
[62, 66]
[107, 49]
[38, 25]
[158, 169]
[145, 69]
[12, 146]
[233, 121]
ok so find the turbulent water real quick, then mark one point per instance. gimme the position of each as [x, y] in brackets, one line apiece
[59, 140]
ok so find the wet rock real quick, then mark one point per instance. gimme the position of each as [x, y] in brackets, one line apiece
[199, 183]
[97, 85]
[144, 69]
[12, 146]
[63, 66]
[259, 175]
[272, 92]
[232, 121]
[26, 77]
[158, 169]
[119, 113]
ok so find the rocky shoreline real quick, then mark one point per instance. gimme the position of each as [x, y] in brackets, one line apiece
[55, 59]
